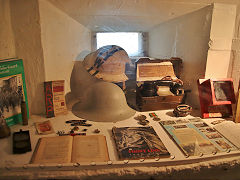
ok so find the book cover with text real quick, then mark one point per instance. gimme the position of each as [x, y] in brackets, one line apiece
[54, 98]
[138, 143]
[12, 90]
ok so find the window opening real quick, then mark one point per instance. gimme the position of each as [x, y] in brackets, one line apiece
[131, 42]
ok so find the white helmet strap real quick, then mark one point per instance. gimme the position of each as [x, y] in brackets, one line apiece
[103, 55]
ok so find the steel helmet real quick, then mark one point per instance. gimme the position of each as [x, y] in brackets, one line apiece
[80, 79]
[107, 63]
[103, 102]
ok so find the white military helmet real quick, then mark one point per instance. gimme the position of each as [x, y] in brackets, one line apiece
[107, 63]
[103, 102]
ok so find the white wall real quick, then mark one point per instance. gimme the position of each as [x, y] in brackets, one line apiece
[186, 37]
[221, 36]
[234, 70]
[46, 39]
[63, 39]
[7, 44]
[26, 28]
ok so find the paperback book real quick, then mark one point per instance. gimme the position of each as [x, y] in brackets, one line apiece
[12, 90]
[54, 98]
[138, 143]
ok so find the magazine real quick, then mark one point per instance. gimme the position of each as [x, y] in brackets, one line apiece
[138, 143]
[12, 90]
[196, 138]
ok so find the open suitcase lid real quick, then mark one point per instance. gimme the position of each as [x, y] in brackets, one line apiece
[156, 69]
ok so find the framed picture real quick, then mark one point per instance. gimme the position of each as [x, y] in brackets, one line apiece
[216, 97]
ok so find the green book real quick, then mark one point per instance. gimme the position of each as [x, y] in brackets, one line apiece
[12, 90]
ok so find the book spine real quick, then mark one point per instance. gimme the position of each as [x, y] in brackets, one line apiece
[35, 151]
[115, 140]
[49, 99]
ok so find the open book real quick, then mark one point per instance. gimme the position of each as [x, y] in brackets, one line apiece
[67, 149]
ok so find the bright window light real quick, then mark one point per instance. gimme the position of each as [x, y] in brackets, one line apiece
[129, 41]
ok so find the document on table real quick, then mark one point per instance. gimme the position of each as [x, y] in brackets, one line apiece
[230, 131]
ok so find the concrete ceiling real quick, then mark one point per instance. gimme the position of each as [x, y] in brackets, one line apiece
[127, 15]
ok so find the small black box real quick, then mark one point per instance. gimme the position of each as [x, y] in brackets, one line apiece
[21, 142]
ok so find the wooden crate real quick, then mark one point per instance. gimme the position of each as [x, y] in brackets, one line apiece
[158, 102]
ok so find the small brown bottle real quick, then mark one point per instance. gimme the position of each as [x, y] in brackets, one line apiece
[24, 113]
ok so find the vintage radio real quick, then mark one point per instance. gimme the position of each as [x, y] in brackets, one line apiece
[158, 84]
